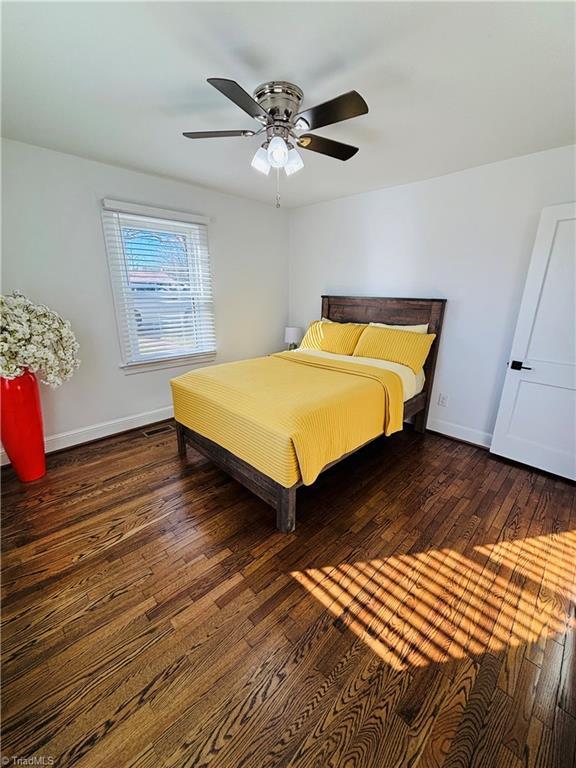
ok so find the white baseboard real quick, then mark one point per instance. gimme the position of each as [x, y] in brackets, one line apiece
[450, 429]
[105, 428]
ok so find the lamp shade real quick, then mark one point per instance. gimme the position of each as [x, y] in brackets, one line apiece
[277, 152]
[293, 335]
[260, 161]
[294, 162]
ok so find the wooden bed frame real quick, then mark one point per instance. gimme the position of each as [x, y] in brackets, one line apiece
[342, 309]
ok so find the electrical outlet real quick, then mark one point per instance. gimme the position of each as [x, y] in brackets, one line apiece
[442, 400]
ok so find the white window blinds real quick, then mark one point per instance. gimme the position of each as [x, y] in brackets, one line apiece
[160, 272]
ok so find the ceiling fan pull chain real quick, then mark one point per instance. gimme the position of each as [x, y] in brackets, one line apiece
[277, 187]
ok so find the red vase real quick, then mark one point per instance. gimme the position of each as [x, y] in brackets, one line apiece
[22, 430]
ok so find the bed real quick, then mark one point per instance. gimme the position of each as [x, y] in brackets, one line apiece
[275, 423]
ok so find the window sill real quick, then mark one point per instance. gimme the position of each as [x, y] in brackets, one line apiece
[170, 362]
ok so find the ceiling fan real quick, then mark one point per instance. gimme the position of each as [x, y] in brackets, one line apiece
[276, 106]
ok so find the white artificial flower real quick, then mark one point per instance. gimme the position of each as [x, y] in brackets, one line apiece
[35, 337]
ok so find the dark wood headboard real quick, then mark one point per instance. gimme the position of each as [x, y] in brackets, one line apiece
[395, 311]
[380, 309]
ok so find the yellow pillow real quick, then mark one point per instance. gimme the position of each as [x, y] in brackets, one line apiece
[403, 347]
[340, 338]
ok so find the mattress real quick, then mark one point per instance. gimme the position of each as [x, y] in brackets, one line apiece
[412, 383]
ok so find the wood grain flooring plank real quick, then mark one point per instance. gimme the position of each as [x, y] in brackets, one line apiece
[567, 690]
[491, 730]
[549, 681]
[475, 715]
[450, 715]
[564, 740]
[518, 722]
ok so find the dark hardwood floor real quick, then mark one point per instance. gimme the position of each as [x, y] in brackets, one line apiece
[422, 613]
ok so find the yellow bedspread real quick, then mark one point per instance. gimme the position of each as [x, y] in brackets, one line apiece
[289, 414]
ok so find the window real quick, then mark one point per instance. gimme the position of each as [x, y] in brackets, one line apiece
[160, 273]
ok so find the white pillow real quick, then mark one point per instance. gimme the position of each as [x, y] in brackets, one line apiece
[413, 328]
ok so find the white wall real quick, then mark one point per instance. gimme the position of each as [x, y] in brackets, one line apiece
[53, 251]
[466, 237]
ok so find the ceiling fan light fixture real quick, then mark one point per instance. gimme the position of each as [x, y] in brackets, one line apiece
[294, 162]
[260, 161]
[276, 105]
[277, 152]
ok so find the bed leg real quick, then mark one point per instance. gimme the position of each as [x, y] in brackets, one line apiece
[286, 510]
[181, 440]
[419, 421]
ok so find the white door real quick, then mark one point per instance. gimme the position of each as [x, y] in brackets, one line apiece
[536, 421]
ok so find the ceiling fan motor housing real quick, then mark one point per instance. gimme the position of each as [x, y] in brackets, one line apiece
[281, 100]
[276, 106]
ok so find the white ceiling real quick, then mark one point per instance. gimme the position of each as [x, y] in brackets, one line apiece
[449, 85]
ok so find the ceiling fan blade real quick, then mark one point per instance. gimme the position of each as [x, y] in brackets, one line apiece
[239, 96]
[327, 146]
[215, 134]
[343, 107]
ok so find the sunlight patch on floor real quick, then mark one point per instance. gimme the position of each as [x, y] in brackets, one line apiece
[438, 605]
